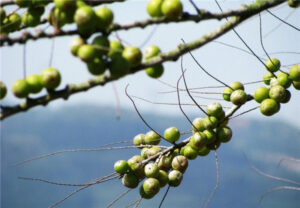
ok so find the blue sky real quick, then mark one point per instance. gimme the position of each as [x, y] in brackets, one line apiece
[223, 62]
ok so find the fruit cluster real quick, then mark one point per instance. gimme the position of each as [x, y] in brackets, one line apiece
[171, 9]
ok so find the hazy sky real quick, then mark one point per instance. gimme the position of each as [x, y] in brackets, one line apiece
[226, 63]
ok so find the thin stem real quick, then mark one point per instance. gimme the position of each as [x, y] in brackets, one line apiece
[285, 22]
[148, 38]
[278, 189]
[289, 159]
[118, 198]
[164, 197]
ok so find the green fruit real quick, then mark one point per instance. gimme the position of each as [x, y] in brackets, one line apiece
[133, 55]
[214, 109]
[296, 85]
[30, 20]
[238, 97]
[75, 45]
[175, 178]
[226, 93]
[80, 3]
[190, 153]
[3, 90]
[294, 3]
[287, 97]
[130, 180]
[224, 134]
[86, 53]
[172, 134]
[261, 94]
[85, 17]
[284, 80]
[20, 88]
[164, 163]
[121, 166]
[135, 164]
[57, 18]
[104, 17]
[172, 8]
[269, 107]
[267, 77]
[86, 32]
[14, 22]
[144, 195]
[139, 140]
[2, 15]
[155, 71]
[152, 138]
[119, 66]
[153, 151]
[273, 65]
[163, 178]
[214, 146]
[34, 83]
[65, 5]
[154, 8]
[199, 124]
[96, 67]
[295, 73]
[237, 86]
[115, 48]
[50, 78]
[180, 163]
[210, 122]
[23, 3]
[144, 152]
[101, 44]
[151, 186]
[198, 140]
[203, 151]
[151, 170]
[210, 136]
[151, 51]
[277, 93]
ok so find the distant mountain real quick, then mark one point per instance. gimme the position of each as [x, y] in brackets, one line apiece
[43, 131]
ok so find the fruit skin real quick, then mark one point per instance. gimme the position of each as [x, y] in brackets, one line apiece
[224, 134]
[238, 97]
[284, 80]
[151, 186]
[214, 109]
[115, 48]
[210, 122]
[151, 170]
[121, 166]
[277, 93]
[199, 124]
[30, 20]
[152, 151]
[154, 8]
[269, 107]
[190, 152]
[164, 163]
[172, 134]
[203, 151]
[3, 90]
[163, 178]
[226, 93]
[14, 21]
[57, 18]
[266, 78]
[86, 53]
[175, 178]
[2, 15]
[273, 65]
[144, 195]
[152, 138]
[210, 135]
[104, 17]
[65, 5]
[75, 45]
[135, 164]
[296, 85]
[85, 17]
[295, 72]
[119, 66]
[34, 83]
[180, 163]
[151, 51]
[96, 67]
[294, 3]
[20, 88]
[260, 94]
[198, 140]
[155, 71]
[287, 97]
[130, 180]
[50, 78]
[101, 45]
[139, 140]
[214, 146]
[133, 55]
[172, 8]
[237, 86]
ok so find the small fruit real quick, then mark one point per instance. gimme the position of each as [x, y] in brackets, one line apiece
[14, 22]
[269, 107]
[226, 93]
[237, 86]
[57, 18]
[119, 66]
[34, 83]
[133, 55]
[267, 77]
[198, 124]
[198, 140]
[214, 109]
[284, 80]
[153, 151]
[115, 48]
[296, 85]
[151, 186]
[86, 53]
[152, 138]
[172, 8]
[85, 17]
[3, 90]
[130, 180]
[155, 71]
[172, 134]
[261, 94]
[224, 134]
[210, 122]
[65, 5]
[139, 140]
[20, 88]
[104, 17]
[203, 151]
[96, 67]
[175, 178]
[121, 166]
[75, 45]
[50, 78]
[101, 45]
[294, 3]
[190, 152]
[30, 20]
[144, 195]
[154, 8]
[151, 170]
[2, 15]
[164, 163]
[180, 163]
[277, 93]
[210, 135]
[287, 97]
[151, 51]
[163, 178]
[295, 72]
[238, 97]
[135, 164]
[273, 65]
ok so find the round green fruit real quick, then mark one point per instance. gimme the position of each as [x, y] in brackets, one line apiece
[210, 136]
[153, 151]
[273, 65]
[172, 8]
[203, 151]
[130, 180]
[135, 164]
[198, 124]
[294, 3]
[133, 55]
[151, 170]
[155, 71]
[198, 140]
[260, 94]
[238, 97]
[50, 78]
[164, 163]
[152, 138]
[175, 178]
[85, 17]
[154, 8]
[269, 107]
[295, 72]
[3, 90]
[296, 85]
[172, 134]
[214, 109]
[151, 51]
[237, 86]
[277, 93]
[57, 18]
[224, 134]
[105, 17]
[119, 66]
[65, 5]
[287, 97]
[14, 22]
[96, 67]
[75, 45]
[180, 163]
[144, 195]
[214, 146]
[20, 88]
[139, 140]
[151, 186]
[30, 20]
[163, 178]
[267, 78]
[284, 80]
[34, 83]
[210, 122]
[121, 166]
[101, 45]
[38, 3]
[226, 93]
[115, 48]
[190, 153]
[86, 53]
